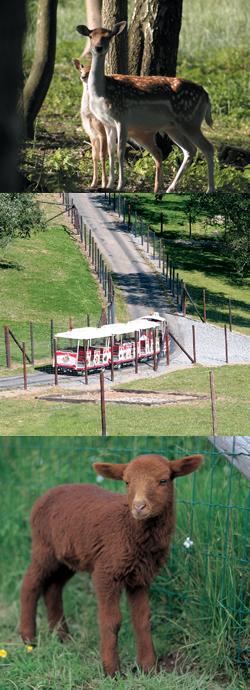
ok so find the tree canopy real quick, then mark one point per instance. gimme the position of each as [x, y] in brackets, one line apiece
[20, 215]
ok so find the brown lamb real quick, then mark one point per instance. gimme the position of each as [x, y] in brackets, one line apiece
[121, 539]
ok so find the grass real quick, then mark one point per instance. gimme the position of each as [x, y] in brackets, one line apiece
[217, 57]
[29, 416]
[46, 277]
[195, 600]
[199, 266]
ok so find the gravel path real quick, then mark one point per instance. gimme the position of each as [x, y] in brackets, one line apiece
[140, 286]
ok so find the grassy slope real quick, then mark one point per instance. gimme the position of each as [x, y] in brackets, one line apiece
[34, 417]
[199, 268]
[30, 466]
[211, 58]
[46, 277]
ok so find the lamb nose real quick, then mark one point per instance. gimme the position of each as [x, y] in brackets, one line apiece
[139, 506]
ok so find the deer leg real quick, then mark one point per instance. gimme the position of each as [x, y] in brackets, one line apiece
[207, 149]
[189, 150]
[147, 140]
[52, 593]
[140, 611]
[95, 158]
[108, 596]
[111, 142]
[122, 134]
[103, 156]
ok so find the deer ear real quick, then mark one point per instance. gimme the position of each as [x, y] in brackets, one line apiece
[76, 63]
[118, 28]
[83, 30]
[185, 466]
[109, 470]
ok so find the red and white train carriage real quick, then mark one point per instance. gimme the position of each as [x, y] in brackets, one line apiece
[90, 348]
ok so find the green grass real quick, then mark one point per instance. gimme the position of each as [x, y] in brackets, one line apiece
[195, 600]
[31, 417]
[217, 57]
[42, 278]
[199, 266]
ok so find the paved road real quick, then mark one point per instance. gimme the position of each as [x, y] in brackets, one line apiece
[141, 287]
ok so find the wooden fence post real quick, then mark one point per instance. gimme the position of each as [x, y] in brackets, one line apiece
[103, 407]
[24, 367]
[7, 346]
[52, 337]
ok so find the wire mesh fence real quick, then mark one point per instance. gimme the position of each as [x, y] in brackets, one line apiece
[202, 594]
[192, 300]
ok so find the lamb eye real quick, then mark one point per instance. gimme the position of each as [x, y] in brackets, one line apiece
[163, 481]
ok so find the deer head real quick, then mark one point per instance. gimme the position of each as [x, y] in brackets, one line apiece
[100, 38]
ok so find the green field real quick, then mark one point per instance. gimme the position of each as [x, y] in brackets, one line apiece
[214, 51]
[200, 263]
[29, 416]
[198, 601]
[42, 278]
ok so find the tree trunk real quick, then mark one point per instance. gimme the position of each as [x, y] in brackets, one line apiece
[41, 73]
[154, 37]
[12, 28]
[117, 59]
[94, 18]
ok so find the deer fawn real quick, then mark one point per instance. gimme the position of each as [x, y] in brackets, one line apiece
[96, 131]
[93, 127]
[146, 105]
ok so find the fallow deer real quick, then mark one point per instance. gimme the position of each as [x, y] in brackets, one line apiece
[93, 127]
[97, 134]
[150, 104]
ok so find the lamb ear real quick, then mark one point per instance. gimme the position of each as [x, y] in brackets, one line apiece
[185, 465]
[118, 28]
[83, 30]
[109, 470]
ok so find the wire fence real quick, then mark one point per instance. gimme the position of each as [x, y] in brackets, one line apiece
[198, 302]
[203, 591]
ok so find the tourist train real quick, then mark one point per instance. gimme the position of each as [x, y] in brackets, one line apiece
[115, 344]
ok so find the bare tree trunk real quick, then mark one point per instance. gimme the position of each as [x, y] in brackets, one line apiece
[94, 18]
[117, 59]
[12, 28]
[154, 37]
[41, 73]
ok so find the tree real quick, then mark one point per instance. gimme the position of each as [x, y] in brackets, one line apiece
[42, 69]
[233, 211]
[114, 11]
[19, 216]
[94, 18]
[12, 29]
[154, 37]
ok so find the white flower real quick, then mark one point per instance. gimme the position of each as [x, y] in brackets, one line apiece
[187, 543]
[99, 478]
